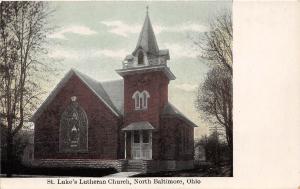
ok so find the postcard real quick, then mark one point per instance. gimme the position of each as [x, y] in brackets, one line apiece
[182, 94]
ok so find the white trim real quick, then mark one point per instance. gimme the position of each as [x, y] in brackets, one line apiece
[145, 100]
[135, 93]
[148, 68]
[147, 93]
[140, 147]
[136, 96]
[141, 100]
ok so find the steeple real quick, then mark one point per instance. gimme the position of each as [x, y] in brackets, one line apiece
[147, 40]
[146, 57]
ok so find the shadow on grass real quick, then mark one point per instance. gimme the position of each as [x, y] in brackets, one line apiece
[202, 171]
[58, 171]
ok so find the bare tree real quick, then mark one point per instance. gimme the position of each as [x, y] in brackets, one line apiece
[214, 97]
[216, 44]
[23, 29]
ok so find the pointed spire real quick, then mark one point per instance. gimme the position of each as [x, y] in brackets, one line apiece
[147, 8]
[147, 40]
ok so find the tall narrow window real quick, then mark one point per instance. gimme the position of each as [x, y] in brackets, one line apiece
[141, 58]
[145, 95]
[136, 97]
[73, 128]
[141, 100]
[145, 100]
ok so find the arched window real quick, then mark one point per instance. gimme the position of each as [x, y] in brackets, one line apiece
[140, 58]
[141, 100]
[136, 97]
[145, 95]
[73, 128]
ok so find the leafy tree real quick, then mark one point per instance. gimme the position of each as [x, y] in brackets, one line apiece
[23, 29]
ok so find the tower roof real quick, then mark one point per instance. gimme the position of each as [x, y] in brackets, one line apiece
[147, 40]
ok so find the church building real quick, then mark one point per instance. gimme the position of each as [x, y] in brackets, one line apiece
[126, 124]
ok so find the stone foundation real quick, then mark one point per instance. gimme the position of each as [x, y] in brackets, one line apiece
[82, 163]
[145, 166]
[167, 165]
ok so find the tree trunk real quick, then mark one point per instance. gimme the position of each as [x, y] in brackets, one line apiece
[231, 161]
[9, 154]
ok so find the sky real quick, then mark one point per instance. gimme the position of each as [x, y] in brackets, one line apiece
[94, 38]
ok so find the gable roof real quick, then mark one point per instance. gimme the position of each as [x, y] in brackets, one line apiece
[171, 110]
[95, 86]
[142, 125]
[111, 93]
[98, 89]
[115, 90]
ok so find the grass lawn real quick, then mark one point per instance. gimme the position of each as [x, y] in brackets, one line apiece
[24, 171]
[208, 171]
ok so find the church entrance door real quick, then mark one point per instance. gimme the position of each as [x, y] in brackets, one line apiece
[141, 144]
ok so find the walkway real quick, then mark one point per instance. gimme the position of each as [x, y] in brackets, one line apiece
[123, 174]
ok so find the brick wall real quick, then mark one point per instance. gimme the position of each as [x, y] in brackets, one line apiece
[103, 142]
[156, 83]
[177, 139]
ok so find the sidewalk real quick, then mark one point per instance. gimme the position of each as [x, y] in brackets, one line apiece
[123, 174]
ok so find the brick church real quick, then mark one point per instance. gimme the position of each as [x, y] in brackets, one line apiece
[126, 124]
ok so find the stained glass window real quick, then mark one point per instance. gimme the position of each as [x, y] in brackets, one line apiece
[73, 128]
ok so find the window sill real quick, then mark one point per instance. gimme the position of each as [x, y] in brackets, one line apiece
[142, 109]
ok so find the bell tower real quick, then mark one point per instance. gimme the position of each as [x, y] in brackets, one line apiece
[146, 78]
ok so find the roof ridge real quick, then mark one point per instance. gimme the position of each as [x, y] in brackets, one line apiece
[52, 94]
[89, 82]
[98, 81]
[107, 81]
[178, 112]
[83, 74]
[106, 98]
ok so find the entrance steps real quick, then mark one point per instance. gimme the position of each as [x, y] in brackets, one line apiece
[135, 166]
